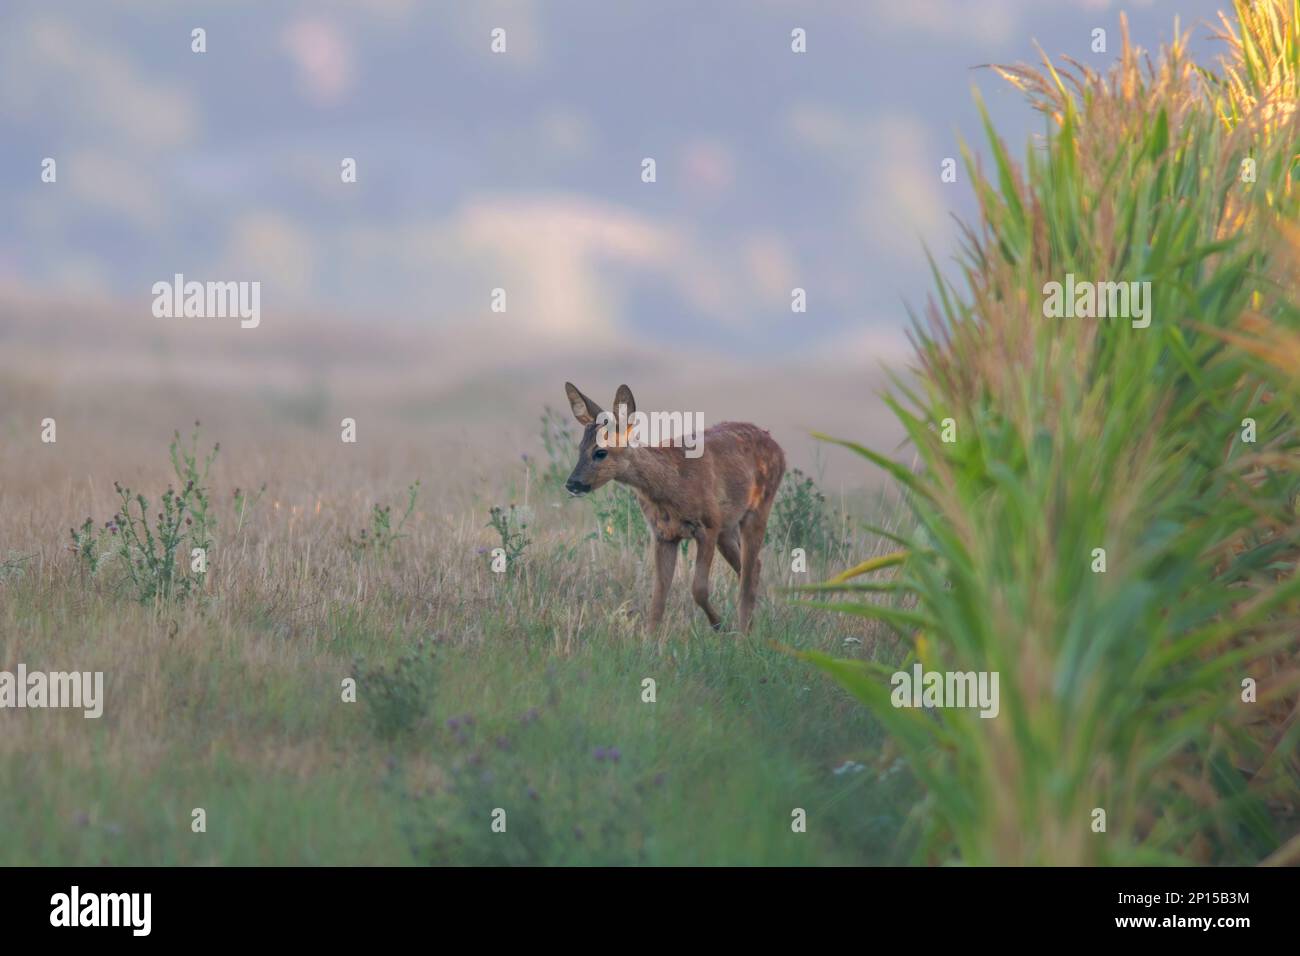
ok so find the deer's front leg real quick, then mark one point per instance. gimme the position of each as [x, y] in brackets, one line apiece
[705, 544]
[665, 564]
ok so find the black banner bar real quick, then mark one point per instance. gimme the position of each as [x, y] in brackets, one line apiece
[374, 905]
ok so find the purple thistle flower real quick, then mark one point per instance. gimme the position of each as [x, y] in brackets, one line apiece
[599, 753]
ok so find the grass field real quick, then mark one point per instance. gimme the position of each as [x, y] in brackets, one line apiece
[475, 690]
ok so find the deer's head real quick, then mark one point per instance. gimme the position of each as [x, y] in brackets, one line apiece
[603, 451]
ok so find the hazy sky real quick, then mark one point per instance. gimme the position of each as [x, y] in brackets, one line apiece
[520, 170]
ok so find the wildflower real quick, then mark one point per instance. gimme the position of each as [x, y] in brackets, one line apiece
[615, 754]
[599, 753]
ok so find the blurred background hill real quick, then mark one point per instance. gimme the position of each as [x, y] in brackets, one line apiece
[478, 171]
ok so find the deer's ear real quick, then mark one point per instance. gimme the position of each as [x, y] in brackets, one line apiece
[624, 397]
[584, 409]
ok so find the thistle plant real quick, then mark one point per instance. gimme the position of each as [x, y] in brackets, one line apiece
[88, 544]
[380, 537]
[511, 526]
[156, 551]
[802, 518]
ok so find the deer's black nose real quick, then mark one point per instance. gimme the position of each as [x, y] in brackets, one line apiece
[575, 487]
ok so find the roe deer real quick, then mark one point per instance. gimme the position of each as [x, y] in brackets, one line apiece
[720, 499]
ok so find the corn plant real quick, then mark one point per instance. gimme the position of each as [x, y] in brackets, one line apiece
[1113, 528]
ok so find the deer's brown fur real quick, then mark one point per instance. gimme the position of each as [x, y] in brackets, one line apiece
[720, 500]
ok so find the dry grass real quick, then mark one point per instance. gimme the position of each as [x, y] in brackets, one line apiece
[231, 700]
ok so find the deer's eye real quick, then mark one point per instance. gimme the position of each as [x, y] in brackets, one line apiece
[599, 453]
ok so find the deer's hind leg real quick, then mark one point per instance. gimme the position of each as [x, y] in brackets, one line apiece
[729, 545]
[753, 526]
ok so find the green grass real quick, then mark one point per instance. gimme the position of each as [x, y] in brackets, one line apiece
[255, 732]
[474, 691]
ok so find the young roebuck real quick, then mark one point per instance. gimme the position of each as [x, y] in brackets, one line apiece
[719, 499]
